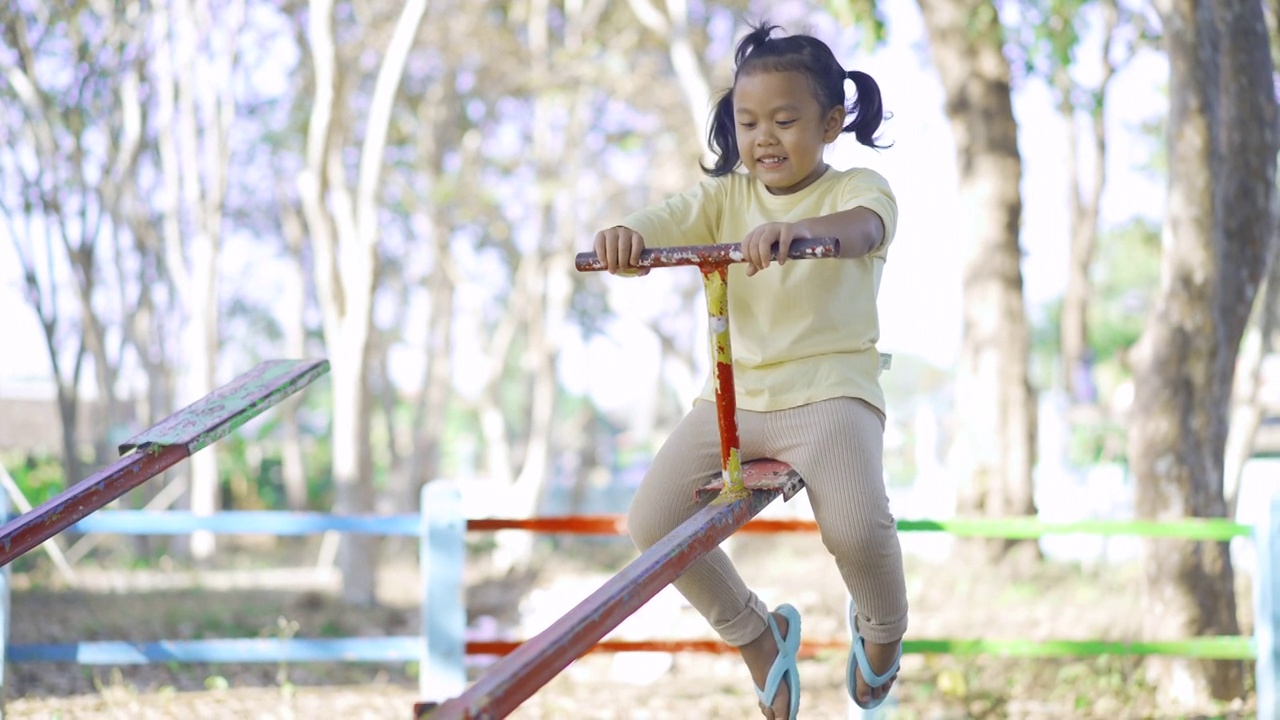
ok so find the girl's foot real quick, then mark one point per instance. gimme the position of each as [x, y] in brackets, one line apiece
[881, 657]
[759, 655]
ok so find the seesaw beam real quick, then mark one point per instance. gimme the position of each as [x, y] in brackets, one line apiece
[161, 447]
[517, 676]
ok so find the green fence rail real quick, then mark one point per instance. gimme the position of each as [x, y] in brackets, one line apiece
[1209, 529]
[1227, 647]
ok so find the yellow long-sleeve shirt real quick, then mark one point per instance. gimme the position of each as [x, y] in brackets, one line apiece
[802, 332]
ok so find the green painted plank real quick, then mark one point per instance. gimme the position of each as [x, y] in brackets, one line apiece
[218, 414]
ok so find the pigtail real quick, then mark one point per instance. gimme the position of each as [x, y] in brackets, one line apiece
[867, 110]
[721, 138]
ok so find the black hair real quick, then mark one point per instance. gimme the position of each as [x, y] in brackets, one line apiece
[794, 53]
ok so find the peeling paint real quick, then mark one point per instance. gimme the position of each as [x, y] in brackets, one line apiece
[720, 254]
[218, 414]
[716, 283]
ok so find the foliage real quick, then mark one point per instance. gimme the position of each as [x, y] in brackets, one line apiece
[1125, 279]
[39, 478]
[1048, 33]
[1046, 37]
[1097, 443]
[866, 15]
[1123, 283]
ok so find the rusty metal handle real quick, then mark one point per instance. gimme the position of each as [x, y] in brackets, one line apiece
[718, 254]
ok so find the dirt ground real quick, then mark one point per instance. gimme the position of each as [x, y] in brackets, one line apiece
[1034, 600]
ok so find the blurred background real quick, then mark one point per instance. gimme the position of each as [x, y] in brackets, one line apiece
[188, 187]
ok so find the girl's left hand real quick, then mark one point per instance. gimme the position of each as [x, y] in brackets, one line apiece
[757, 247]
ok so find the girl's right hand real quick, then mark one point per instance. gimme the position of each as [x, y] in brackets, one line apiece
[620, 248]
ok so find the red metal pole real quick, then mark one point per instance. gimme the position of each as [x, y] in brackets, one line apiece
[808, 648]
[715, 279]
[517, 676]
[617, 524]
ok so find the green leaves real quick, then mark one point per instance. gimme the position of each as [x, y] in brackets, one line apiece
[863, 14]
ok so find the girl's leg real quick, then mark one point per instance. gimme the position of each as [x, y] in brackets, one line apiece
[689, 459]
[837, 446]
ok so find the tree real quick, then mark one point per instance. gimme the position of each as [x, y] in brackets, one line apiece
[1052, 42]
[1246, 406]
[194, 70]
[72, 140]
[1259, 342]
[1222, 146]
[344, 233]
[672, 27]
[992, 389]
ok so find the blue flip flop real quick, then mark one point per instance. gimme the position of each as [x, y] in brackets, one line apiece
[784, 666]
[858, 661]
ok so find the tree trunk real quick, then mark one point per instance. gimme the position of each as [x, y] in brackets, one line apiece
[68, 407]
[1246, 405]
[195, 115]
[993, 395]
[672, 27]
[201, 351]
[1083, 202]
[352, 471]
[431, 415]
[292, 464]
[344, 234]
[1222, 148]
[443, 127]
[67, 182]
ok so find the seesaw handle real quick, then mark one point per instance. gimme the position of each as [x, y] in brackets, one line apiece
[718, 254]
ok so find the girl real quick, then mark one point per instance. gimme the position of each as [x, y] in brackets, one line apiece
[805, 360]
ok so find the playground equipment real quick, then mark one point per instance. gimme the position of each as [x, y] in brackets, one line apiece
[742, 493]
[161, 447]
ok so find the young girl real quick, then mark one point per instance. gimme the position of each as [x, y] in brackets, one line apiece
[804, 343]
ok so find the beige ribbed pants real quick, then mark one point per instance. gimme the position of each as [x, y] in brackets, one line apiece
[836, 445]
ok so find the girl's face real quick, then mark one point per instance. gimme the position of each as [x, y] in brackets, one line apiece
[782, 130]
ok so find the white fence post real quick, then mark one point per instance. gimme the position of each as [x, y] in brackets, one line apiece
[1266, 591]
[442, 670]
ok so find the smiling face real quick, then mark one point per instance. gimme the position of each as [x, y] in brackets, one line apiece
[781, 129]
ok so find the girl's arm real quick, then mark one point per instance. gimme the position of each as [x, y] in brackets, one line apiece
[860, 230]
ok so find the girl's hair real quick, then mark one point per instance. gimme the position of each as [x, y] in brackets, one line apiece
[757, 52]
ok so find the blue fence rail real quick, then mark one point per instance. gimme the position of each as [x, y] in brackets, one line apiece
[440, 528]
